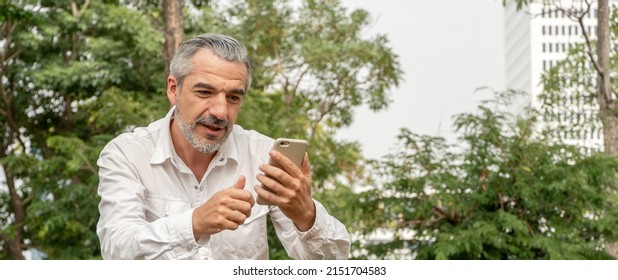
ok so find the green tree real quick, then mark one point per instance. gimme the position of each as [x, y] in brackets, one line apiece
[572, 88]
[77, 73]
[312, 67]
[74, 74]
[579, 96]
[504, 194]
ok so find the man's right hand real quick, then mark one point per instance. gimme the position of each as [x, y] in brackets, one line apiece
[226, 209]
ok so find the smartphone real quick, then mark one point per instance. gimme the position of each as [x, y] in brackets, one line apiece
[294, 149]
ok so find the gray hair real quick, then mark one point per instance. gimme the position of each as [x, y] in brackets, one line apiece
[223, 46]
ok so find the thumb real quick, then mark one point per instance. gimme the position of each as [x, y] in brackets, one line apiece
[305, 166]
[240, 184]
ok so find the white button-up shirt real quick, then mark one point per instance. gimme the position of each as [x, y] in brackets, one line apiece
[148, 195]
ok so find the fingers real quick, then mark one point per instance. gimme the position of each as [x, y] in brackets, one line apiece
[277, 190]
[237, 191]
[226, 209]
[286, 164]
[286, 181]
[279, 187]
[220, 214]
[227, 219]
[305, 166]
[236, 216]
[239, 205]
[288, 171]
[292, 192]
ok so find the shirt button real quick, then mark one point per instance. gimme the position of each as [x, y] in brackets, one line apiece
[166, 213]
[195, 187]
[220, 159]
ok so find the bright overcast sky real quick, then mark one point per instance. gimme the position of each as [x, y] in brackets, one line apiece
[447, 50]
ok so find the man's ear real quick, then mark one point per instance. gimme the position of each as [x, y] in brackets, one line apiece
[172, 88]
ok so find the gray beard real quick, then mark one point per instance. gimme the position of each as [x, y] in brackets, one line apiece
[188, 130]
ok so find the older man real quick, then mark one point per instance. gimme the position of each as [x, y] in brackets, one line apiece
[185, 186]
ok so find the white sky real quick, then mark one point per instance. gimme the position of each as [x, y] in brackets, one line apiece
[447, 50]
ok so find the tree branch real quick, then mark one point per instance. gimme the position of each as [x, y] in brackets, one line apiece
[589, 52]
[289, 98]
[579, 18]
[78, 12]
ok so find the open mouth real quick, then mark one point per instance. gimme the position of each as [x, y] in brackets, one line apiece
[213, 127]
[213, 131]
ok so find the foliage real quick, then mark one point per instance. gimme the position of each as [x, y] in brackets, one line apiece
[504, 194]
[569, 98]
[311, 69]
[73, 78]
[76, 78]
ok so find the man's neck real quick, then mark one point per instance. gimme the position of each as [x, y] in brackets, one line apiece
[197, 161]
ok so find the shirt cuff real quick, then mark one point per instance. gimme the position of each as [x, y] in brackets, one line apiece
[318, 225]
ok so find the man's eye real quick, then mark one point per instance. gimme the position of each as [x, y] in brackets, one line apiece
[234, 98]
[203, 92]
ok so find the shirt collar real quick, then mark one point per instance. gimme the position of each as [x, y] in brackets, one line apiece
[165, 149]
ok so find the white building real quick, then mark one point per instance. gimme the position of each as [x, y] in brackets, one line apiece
[536, 38]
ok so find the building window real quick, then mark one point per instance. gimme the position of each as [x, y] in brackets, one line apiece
[592, 133]
[543, 30]
[543, 47]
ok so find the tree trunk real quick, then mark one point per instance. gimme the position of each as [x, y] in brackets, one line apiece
[173, 29]
[607, 103]
[605, 96]
[14, 240]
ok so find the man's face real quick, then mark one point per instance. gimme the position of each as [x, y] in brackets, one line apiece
[208, 101]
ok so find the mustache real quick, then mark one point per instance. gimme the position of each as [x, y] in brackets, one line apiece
[211, 120]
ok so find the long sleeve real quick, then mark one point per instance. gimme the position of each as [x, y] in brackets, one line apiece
[327, 239]
[148, 195]
[123, 228]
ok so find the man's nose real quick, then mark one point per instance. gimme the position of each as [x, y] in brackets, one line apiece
[218, 107]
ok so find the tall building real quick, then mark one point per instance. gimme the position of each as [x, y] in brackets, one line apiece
[537, 37]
